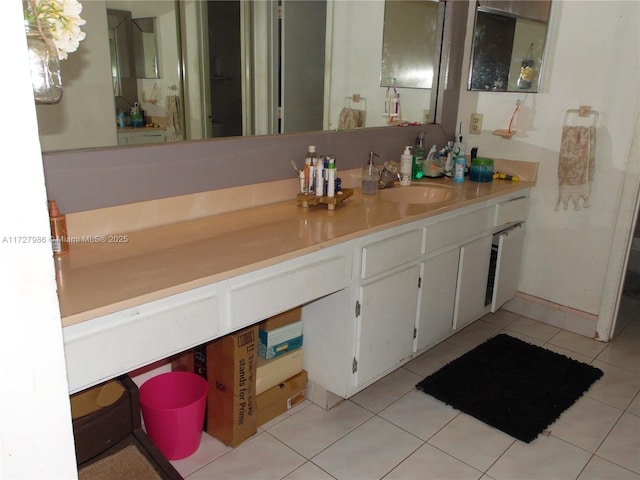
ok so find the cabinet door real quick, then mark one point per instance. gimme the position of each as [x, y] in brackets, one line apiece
[437, 298]
[473, 272]
[387, 318]
[510, 245]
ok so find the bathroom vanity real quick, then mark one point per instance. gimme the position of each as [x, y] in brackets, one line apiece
[380, 281]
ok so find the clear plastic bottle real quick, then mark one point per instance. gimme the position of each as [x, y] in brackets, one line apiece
[370, 176]
[419, 154]
[459, 166]
[406, 163]
[309, 162]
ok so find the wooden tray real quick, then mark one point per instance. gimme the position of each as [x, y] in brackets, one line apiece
[306, 200]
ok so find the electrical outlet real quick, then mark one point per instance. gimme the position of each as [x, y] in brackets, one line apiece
[475, 125]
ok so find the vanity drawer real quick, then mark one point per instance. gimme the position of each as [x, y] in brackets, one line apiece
[388, 253]
[272, 290]
[107, 346]
[456, 229]
[512, 211]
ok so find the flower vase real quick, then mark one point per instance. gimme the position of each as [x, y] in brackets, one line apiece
[44, 63]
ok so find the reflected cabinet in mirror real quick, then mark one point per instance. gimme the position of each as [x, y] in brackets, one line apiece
[223, 68]
[145, 48]
[508, 45]
[409, 45]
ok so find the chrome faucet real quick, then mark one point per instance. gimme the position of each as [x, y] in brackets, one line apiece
[388, 175]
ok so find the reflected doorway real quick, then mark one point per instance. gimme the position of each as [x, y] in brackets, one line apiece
[266, 66]
[225, 68]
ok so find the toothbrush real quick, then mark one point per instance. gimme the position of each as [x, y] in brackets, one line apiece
[513, 115]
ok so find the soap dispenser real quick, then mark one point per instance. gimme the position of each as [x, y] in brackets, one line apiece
[406, 165]
[370, 176]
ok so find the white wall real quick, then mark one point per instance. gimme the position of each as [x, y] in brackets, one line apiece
[36, 439]
[592, 59]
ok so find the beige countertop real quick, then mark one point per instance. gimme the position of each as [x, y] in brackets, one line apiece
[112, 272]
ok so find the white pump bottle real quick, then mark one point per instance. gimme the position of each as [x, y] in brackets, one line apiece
[406, 165]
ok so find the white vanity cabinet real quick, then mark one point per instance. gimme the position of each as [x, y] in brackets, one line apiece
[437, 298]
[413, 286]
[141, 136]
[117, 343]
[508, 244]
[471, 289]
[370, 303]
[507, 249]
[386, 319]
[386, 304]
[455, 262]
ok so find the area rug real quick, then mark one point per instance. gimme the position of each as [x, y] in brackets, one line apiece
[511, 385]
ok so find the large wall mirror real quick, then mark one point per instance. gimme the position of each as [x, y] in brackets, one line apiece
[508, 44]
[232, 67]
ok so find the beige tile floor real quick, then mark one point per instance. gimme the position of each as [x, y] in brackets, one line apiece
[392, 431]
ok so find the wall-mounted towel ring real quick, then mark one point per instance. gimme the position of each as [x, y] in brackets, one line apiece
[578, 116]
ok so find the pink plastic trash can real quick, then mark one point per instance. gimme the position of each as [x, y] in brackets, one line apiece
[173, 406]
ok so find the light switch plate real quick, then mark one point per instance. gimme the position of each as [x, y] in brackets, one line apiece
[475, 125]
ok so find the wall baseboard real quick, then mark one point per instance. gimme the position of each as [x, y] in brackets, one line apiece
[560, 316]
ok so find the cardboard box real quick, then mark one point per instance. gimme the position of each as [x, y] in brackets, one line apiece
[231, 372]
[229, 364]
[285, 318]
[280, 334]
[272, 372]
[281, 348]
[282, 397]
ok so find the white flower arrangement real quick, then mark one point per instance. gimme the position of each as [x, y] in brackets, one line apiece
[63, 19]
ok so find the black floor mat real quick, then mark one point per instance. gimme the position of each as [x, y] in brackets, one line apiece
[511, 385]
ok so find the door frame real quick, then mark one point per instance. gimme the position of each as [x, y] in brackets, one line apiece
[622, 240]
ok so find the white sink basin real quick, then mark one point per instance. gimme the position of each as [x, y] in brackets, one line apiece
[418, 194]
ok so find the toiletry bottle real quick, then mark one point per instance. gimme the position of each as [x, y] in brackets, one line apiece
[431, 168]
[120, 118]
[320, 178]
[448, 166]
[58, 223]
[308, 162]
[370, 177]
[459, 166]
[406, 163]
[419, 155]
[331, 177]
[303, 181]
[458, 150]
[312, 180]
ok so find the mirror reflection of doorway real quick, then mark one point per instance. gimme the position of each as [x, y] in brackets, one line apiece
[302, 65]
[225, 68]
[282, 95]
